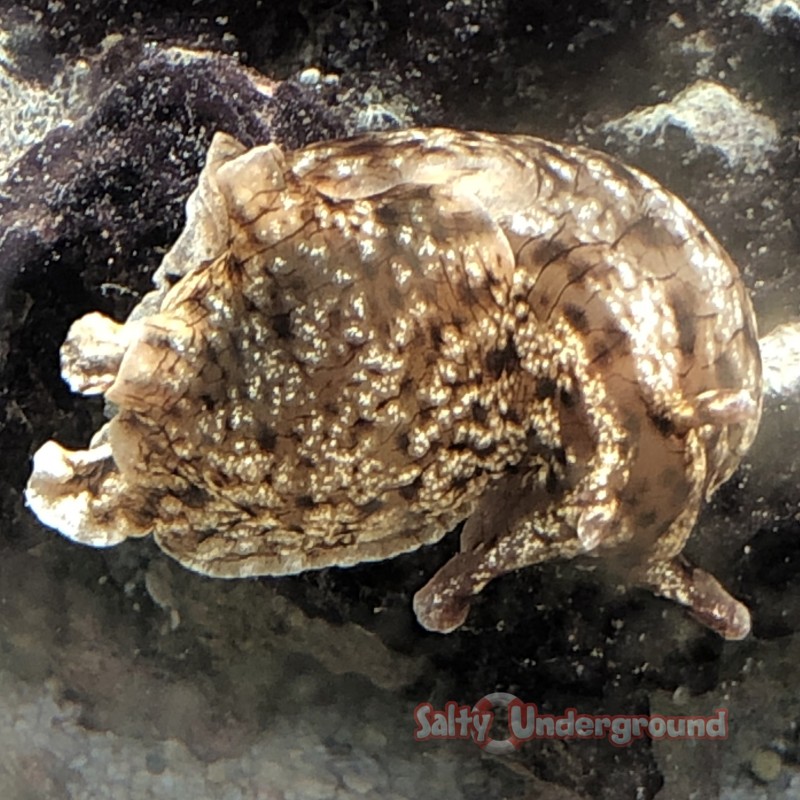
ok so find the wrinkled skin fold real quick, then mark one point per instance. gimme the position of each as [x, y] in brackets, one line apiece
[354, 347]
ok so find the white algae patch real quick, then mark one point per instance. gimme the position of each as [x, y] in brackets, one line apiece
[30, 110]
[780, 357]
[714, 117]
[769, 12]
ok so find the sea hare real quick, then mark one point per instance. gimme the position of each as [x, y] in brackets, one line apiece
[355, 346]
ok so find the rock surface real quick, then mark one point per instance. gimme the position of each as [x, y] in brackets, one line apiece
[218, 688]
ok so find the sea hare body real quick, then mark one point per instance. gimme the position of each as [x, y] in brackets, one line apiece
[355, 346]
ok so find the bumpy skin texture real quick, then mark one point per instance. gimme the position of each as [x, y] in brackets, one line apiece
[355, 346]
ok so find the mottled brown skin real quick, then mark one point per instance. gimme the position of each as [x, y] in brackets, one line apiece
[369, 341]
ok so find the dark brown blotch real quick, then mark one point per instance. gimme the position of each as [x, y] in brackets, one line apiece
[601, 353]
[646, 519]
[552, 481]
[726, 372]
[462, 481]
[370, 507]
[567, 398]
[545, 389]
[499, 361]
[267, 438]
[204, 534]
[410, 491]
[576, 316]
[395, 298]
[369, 269]
[685, 321]
[663, 423]
[193, 496]
[282, 325]
[576, 270]
[479, 413]
[387, 215]
[465, 293]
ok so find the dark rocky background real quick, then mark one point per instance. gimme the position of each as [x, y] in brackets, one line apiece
[126, 676]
